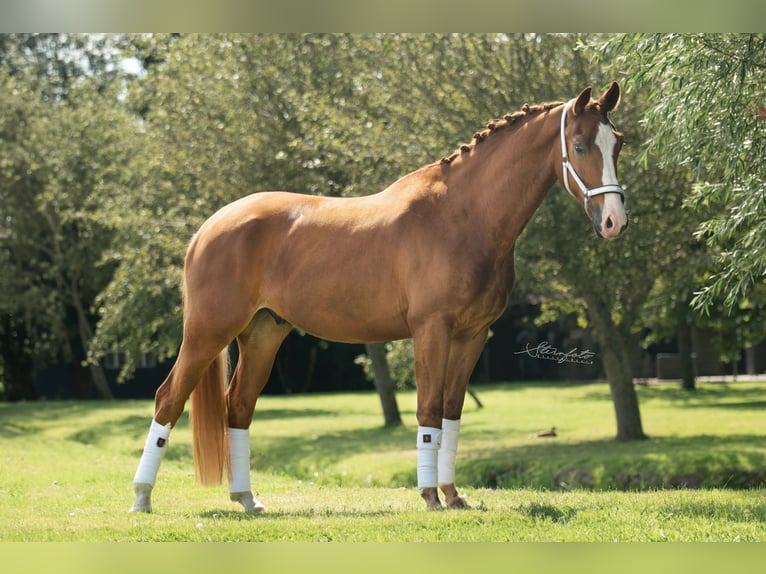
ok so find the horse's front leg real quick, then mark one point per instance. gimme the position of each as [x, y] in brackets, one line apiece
[431, 349]
[463, 355]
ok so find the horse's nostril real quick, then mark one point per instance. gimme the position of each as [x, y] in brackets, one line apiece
[609, 222]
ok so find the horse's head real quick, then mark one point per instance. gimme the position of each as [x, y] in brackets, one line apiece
[590, 146]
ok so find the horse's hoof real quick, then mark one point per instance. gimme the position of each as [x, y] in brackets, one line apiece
[140, 508]
[143, 494]
[457, 502]
[431, 495]
[453, 499]
[251, 504]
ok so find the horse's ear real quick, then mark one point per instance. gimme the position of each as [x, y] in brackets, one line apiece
[582, 100]
[610, 98]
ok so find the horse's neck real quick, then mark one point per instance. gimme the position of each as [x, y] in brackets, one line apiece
[507, 177]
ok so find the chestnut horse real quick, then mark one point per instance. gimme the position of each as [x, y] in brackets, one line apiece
[430, 257]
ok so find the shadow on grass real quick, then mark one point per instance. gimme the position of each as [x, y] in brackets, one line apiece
[718, 510]
[30, 417]
[744, 405]
[301, 457]
[238, 515]
[702, 461]
[286, 414]
[541, 511]
[134, 426]
[715, 395]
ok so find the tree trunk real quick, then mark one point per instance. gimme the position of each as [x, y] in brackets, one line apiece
[83, 325]
[624, 397]
[384, 384]
[685, 355]
[86, 334]
[617, 364]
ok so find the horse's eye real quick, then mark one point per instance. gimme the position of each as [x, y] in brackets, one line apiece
[579, 149]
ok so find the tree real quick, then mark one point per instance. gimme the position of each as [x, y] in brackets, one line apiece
[63, 148]
[560, 257]
[704, 92]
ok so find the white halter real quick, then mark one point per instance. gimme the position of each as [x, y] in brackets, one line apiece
[568, 167]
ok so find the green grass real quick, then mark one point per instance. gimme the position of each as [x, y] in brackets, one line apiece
[328, 471]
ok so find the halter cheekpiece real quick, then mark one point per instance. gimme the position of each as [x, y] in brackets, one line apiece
[568, 167]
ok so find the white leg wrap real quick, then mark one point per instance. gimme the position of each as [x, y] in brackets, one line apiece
[239, 471]
[448, 451]
[429, 439]
[154, 450]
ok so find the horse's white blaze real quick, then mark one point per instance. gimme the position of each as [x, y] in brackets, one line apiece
[613, 207]
[605, 141]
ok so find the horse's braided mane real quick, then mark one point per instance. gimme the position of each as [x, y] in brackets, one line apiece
[508, 120]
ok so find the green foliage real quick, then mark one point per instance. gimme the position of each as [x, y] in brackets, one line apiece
[64, 151]
[703, 91]
[107, 174]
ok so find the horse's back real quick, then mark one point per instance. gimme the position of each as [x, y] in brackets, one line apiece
[230, 237]
[331, 266]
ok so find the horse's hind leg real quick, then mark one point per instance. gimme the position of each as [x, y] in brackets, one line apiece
[195, 357]
[258, 345]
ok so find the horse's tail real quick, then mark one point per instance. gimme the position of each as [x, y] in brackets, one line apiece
[209, 422]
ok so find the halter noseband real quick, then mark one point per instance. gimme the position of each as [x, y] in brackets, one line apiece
[569, 169]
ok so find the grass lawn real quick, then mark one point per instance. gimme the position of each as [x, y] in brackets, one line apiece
[327, 471]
